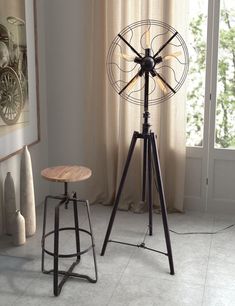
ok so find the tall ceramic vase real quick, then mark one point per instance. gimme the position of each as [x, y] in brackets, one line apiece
[9, 202]
[27, 199]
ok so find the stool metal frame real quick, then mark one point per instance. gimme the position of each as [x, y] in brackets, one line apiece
[65, 199]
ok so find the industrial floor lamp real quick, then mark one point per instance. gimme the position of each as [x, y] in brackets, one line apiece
[147, 63]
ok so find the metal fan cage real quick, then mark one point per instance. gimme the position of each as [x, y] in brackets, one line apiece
[174, 70]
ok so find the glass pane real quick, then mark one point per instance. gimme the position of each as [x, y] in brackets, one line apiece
[196, 78]
[225, 107]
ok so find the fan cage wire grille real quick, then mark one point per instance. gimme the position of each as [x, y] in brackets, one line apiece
[114, 44]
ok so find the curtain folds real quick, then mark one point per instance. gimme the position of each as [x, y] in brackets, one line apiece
[110, 121]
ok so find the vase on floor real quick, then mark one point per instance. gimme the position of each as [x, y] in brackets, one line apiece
[18, 229]
[9, 201]
[27, 198]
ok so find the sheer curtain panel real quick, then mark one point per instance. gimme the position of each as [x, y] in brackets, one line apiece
[110, 121]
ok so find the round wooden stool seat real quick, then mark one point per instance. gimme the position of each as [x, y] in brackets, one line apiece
[66, 174]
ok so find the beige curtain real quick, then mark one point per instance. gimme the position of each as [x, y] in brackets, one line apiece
[110, 121]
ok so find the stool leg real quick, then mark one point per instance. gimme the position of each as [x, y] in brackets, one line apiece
[43, 232]
[92, 240]
[56, 250]
[76, 223]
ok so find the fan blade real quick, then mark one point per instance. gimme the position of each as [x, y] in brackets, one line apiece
[127, 57]
[130, 46]
[165, 44]
[147, 39]
[132, 83]
[172, 55]
[161, 85]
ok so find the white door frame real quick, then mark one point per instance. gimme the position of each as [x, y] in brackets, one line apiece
[213, 193]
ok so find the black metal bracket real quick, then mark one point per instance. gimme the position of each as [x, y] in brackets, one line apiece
[140, 245]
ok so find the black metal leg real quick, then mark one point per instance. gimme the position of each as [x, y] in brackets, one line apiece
[43, 233]
[162, 201]
[144, 169]
[56, 250]
[92, 240]
[131, 149]
[76, 223]
[65, 200]
[150, 203]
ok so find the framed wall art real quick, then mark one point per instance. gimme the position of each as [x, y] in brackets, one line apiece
[19, 101]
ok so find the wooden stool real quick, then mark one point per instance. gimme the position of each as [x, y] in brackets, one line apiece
[66, 174]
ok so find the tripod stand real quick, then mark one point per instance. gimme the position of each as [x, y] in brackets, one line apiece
[150, 156]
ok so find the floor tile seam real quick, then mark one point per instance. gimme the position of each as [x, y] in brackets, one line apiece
[166, 278]
[208, 263]
[190, 283]
[171, 279]
[120, 277]
[114, 289]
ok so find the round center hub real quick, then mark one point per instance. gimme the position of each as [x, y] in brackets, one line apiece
[147, 63]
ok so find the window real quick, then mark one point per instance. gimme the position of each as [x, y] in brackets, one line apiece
[225, 106]
[223, 120]
[196, 78]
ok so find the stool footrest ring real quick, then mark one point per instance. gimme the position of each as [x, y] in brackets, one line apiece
[67, 255]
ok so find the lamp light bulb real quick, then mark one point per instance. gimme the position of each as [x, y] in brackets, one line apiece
[161, 85]
[132, 84]
[147, 39]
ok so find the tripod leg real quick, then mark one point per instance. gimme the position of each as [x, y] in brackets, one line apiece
[130, 152]
[150, 203]
[144, 169]
[162, 202]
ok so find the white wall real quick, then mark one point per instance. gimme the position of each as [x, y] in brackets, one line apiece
[63, 42]
[66, 49]
[39, 152]
[67, 44]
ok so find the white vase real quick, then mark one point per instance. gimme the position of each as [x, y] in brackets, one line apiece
[18, 228]
[9, 201]
[27, 198]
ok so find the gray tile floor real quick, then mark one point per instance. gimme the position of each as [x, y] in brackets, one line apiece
[204, 264]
